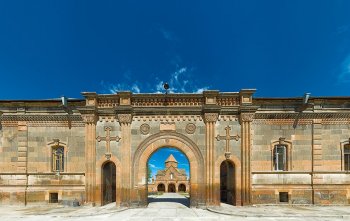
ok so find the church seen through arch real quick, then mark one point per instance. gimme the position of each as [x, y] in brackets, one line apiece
[171, 179]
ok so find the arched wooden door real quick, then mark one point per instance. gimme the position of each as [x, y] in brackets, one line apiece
[227, 183]
[108, 183]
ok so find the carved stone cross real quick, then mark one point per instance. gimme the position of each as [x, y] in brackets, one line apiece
[228, 137]
[108, 140]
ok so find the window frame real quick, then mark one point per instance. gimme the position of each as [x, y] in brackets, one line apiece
[288, 165]
[54, 159]
[276, 157]
[51, 146]
[343, 145]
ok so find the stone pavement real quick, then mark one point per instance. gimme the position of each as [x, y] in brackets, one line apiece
[173, 207]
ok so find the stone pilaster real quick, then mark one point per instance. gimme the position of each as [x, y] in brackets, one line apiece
[317, 158]
[210, 120]
[245, 120]
[317, 145]
[125, 125]
[90, 156]
[22, 160]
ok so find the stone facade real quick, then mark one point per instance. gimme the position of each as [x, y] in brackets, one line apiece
[242, 150]
[171, 179]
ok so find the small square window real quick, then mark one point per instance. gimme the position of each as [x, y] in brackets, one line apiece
[283, 197]
[53, 198]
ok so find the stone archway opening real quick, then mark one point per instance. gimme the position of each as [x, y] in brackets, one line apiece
[182, 188]
[171, 188]
[161, 188]
[167, 168]
[108, 183]
[227, 182]
[168, 139]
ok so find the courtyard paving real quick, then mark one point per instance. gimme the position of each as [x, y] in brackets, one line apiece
[173, 207]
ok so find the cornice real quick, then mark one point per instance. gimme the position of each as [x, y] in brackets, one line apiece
[313, 115]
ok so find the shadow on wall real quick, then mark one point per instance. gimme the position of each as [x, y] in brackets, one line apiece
[183, 201]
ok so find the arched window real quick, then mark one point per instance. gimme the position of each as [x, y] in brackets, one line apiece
[280, 157]
[57, 159]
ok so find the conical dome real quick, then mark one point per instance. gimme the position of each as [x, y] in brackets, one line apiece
[171, 158]
[171, 161]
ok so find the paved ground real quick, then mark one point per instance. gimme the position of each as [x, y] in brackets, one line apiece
[174, 207]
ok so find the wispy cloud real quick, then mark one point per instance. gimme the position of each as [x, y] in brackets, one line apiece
[180, 81]
[344, 76]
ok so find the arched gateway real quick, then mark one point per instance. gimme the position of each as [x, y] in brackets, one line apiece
[178, 141]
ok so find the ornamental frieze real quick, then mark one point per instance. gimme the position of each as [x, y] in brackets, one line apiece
[247, 117]
[124, 118]
[144, 129]
[211, 117]
[190, 128]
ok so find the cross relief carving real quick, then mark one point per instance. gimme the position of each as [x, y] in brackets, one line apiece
[108, 138]
[227, 137]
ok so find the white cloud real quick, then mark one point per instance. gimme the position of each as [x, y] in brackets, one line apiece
[180, 81]
[124, 87]
[152, 165]
[344, 76]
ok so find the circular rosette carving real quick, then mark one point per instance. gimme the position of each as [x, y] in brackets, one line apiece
[145, 128]
[190, 128]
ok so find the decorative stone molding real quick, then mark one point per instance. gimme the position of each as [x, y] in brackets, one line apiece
[281, 122]
[211, 117]
[29, 117]
[190, 128]
[227, 118]
[56, 142]
[247, 117]
[144, 129]
[106, 118]
[163, 118]
[167, 126]
[89, 118]
[169, 101]
[124, 118]
[228, 101]
[324, 116]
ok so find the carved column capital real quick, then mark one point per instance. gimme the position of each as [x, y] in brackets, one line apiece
[89, 118]
[246, 117]
[124, 118]
[210, 117]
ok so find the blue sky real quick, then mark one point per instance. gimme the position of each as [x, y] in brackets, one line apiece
[280, 47]
[157, 160]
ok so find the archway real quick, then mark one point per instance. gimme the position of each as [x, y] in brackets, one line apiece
[182, 188]
[171, 188]
[172, 140]
[227, 183]
[161, 187]
[108, 183]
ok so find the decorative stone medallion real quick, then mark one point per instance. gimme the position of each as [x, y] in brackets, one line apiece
[144, 128]
[190, 128]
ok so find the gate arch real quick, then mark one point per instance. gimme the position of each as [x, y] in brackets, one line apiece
[174, 140]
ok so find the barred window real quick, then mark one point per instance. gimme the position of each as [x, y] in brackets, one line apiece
[347, 157]
[58, 159]
[280, 157]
